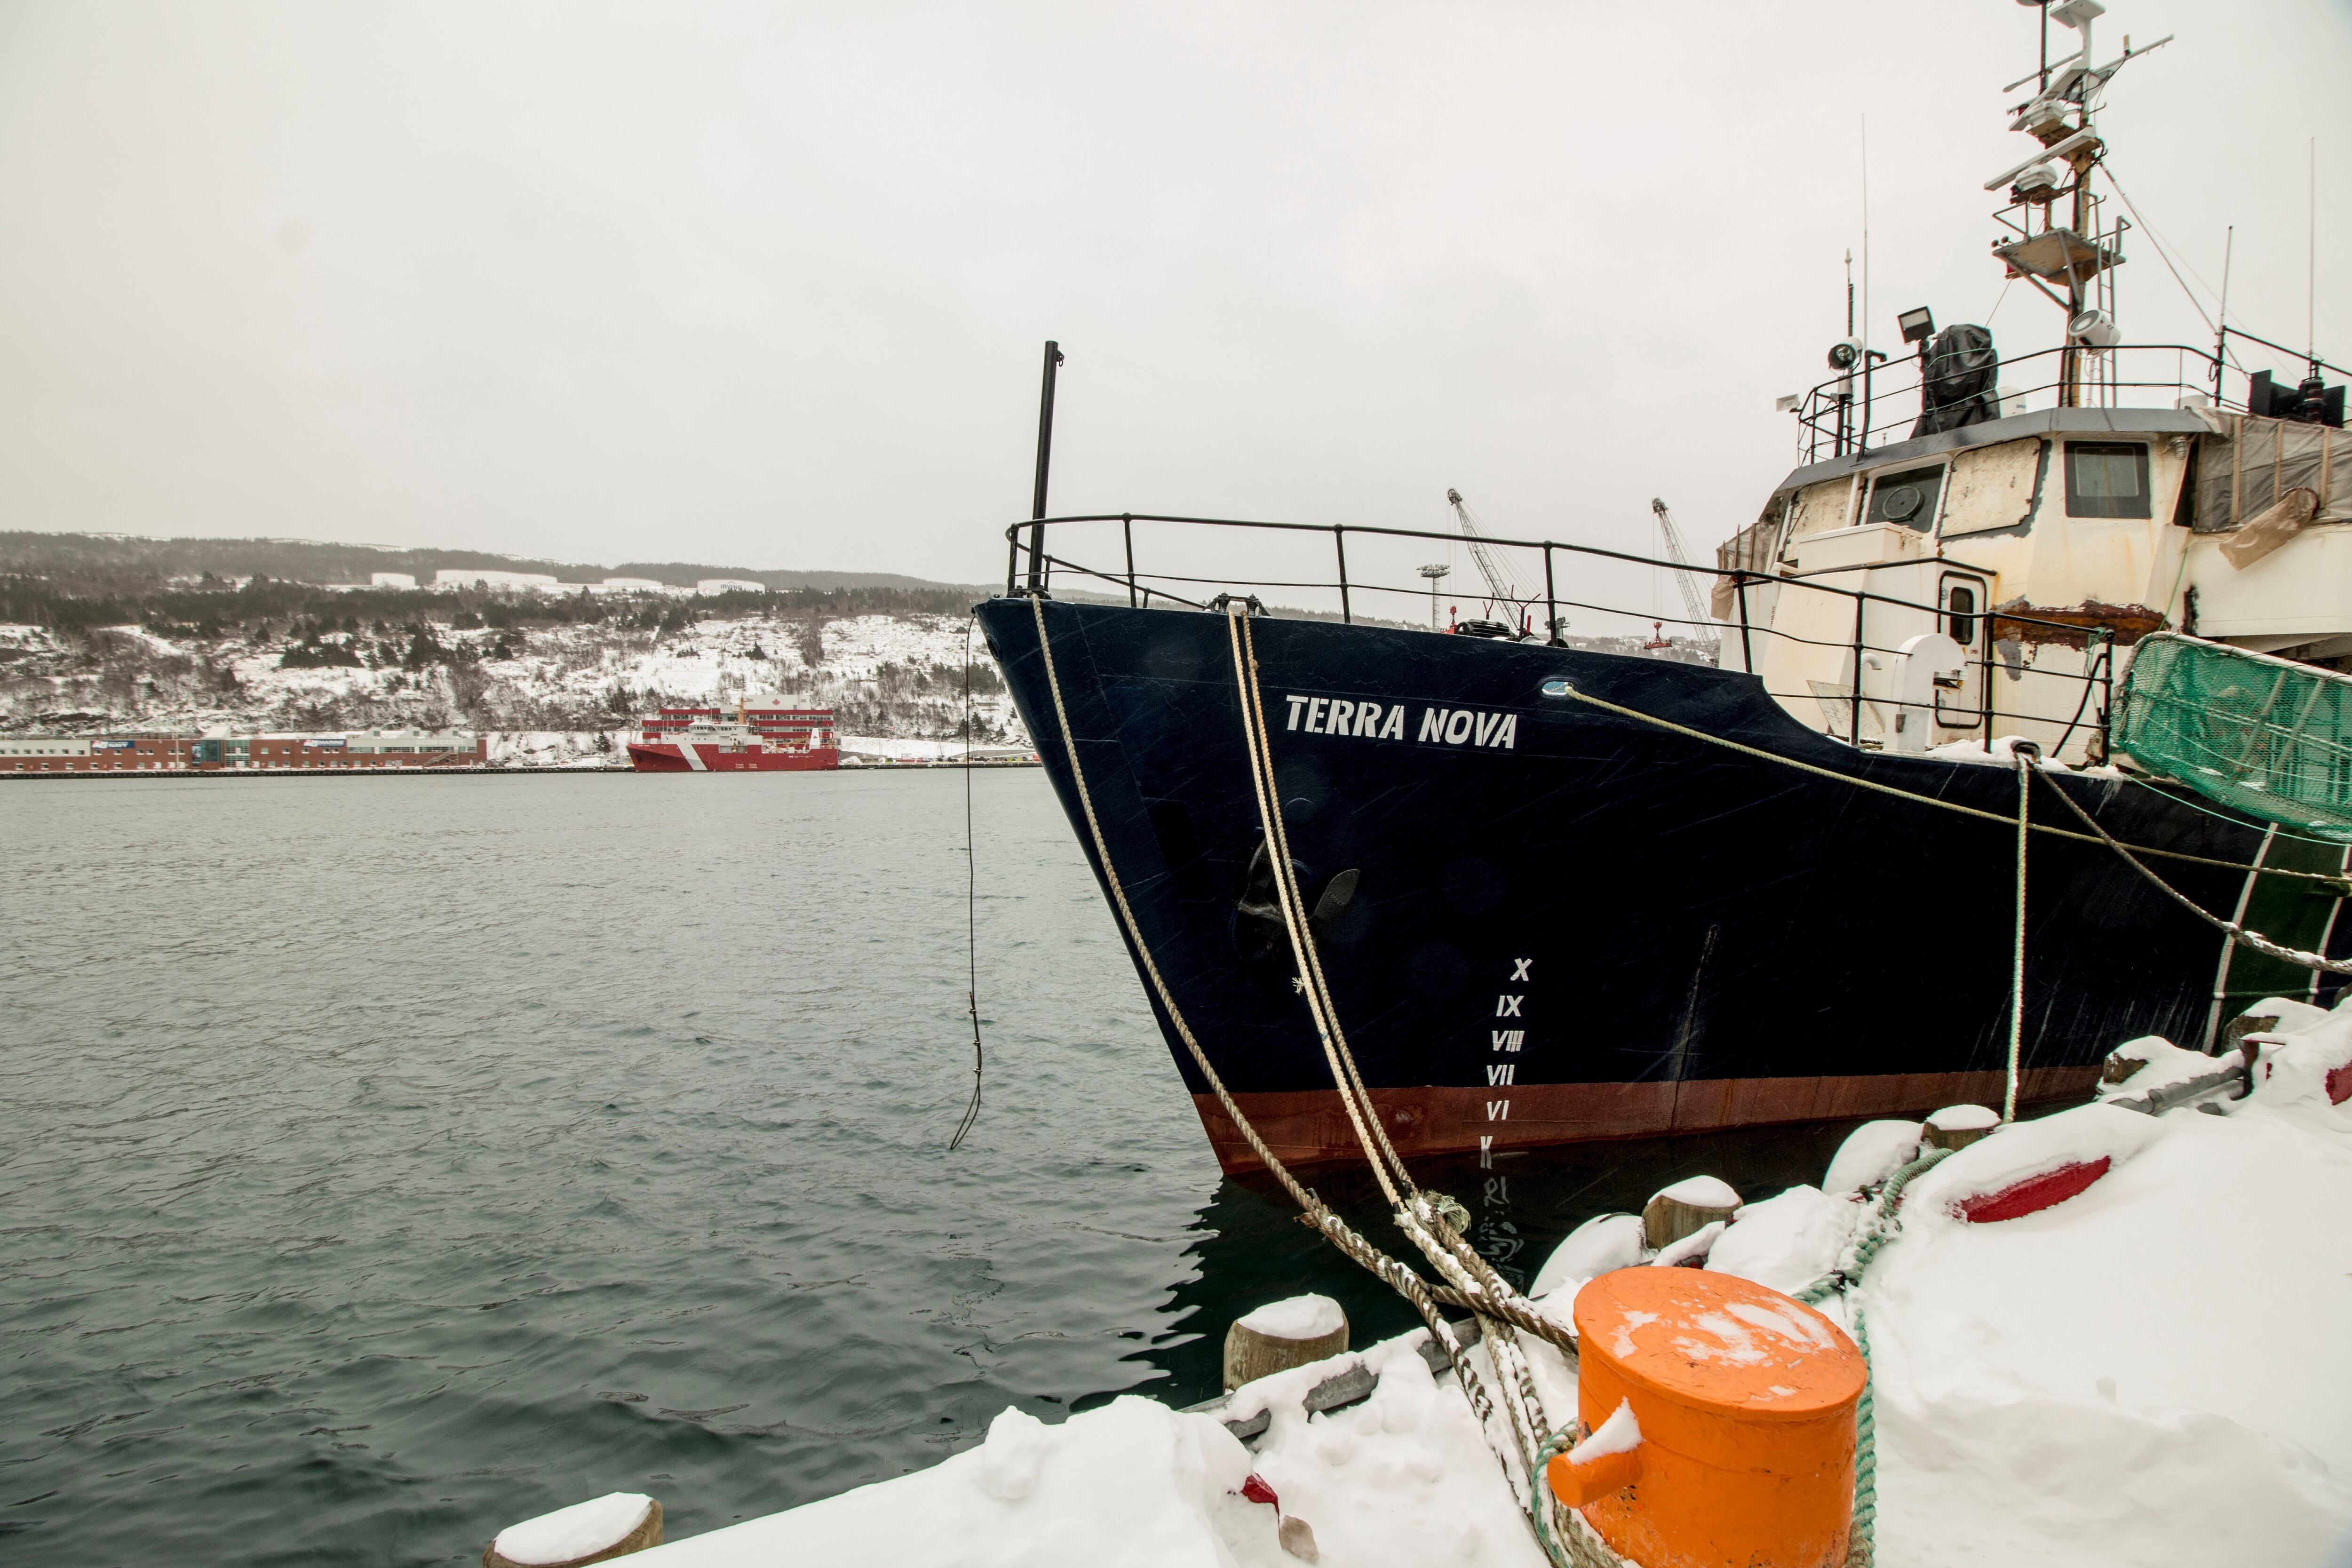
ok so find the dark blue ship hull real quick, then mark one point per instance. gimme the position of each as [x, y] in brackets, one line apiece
[1569, 925]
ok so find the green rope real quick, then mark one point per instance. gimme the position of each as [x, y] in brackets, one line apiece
[1557, 1444]
[1861, 1539]
[1878, 1228]
[1578, 1546]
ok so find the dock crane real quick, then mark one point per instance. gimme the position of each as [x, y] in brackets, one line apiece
[1685, 575]
[1500, 588]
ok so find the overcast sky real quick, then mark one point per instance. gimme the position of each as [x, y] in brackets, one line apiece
[765, 284]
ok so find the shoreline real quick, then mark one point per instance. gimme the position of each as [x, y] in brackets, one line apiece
[882, 765]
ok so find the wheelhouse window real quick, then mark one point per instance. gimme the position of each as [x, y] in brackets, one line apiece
[2106, 479]
[1908, 498]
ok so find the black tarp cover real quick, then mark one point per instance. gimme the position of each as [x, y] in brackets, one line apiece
[1958, 386]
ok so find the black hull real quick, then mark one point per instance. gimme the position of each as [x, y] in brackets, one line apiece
[1684, 937]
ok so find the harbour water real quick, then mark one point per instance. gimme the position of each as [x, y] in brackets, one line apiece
[387, 1160]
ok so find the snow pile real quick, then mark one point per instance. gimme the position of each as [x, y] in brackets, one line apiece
[1404, 1478]
[1692, 1250]
[1601, 1244]
[2023, 1150]
[2148, 1373]
[557, 749]
[2003, 754]
[2303, 1068]
[571, 1533]
[1132, 1483]
[1964, 1119]
[2151, 1372]
[1789, 1241]
[1701, 1193]
[2151, 1062]
[1870, 1154]
[909, 748]
[1298, 1317]
[1401, 1478]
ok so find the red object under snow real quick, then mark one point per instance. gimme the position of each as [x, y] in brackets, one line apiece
[2034, 1193]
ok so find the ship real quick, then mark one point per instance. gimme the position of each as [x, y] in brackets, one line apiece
[763, 735]
[1537, 892]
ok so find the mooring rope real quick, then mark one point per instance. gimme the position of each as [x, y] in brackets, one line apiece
[1427, 1218]
[1389, 1270]
[2334, 879]
[1861, 1534]
[1422, 1218]
[1386, 1167]
[1396, 1274]
[1877, 1230]
[2254, 939]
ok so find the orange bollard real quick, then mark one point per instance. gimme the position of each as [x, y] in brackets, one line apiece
[1746, 1400]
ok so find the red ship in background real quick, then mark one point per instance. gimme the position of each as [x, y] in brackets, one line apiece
[764, 736]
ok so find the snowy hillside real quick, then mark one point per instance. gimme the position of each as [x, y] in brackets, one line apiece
[892, 677]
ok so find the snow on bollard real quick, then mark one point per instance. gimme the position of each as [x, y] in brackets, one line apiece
[1693, 1250]
[1281, 1335]
[1690, 1206]
[613, 1525]
[1601, 1244]
[1957, 1126]
[2307, 1060]
[1738, 1422]
[1871, 1153]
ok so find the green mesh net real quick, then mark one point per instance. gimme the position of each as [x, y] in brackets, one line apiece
[2270, 737]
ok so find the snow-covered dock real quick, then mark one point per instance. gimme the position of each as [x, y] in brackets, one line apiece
[2150, 1372]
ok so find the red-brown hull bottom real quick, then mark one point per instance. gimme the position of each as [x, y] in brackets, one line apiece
[671, 760]
[1310, 1127]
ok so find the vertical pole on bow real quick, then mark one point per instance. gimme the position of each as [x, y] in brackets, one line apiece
[1044, 464]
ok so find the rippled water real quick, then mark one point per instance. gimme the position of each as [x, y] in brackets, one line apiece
[387, 1160]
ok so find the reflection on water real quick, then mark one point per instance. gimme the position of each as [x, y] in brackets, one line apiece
[389, 1159]
[1250, 1248]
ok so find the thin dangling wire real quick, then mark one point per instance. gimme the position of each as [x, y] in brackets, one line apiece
[2025, 758]
[971, 908]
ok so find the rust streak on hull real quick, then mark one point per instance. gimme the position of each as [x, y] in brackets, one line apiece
[1310, 1128]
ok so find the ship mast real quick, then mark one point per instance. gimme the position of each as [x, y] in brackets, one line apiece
[2077, 257]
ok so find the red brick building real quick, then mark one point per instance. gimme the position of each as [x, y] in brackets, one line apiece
[94, 755]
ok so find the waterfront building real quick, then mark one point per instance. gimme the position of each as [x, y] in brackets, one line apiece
[93, 753]
[353, 749]
[220, 750]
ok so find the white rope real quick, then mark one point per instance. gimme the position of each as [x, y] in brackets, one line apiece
[1386, 1167]
[1389, 1270]
[1417, 1213]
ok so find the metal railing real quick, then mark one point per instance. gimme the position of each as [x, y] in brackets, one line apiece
[1844, 413]
[1029, 567]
